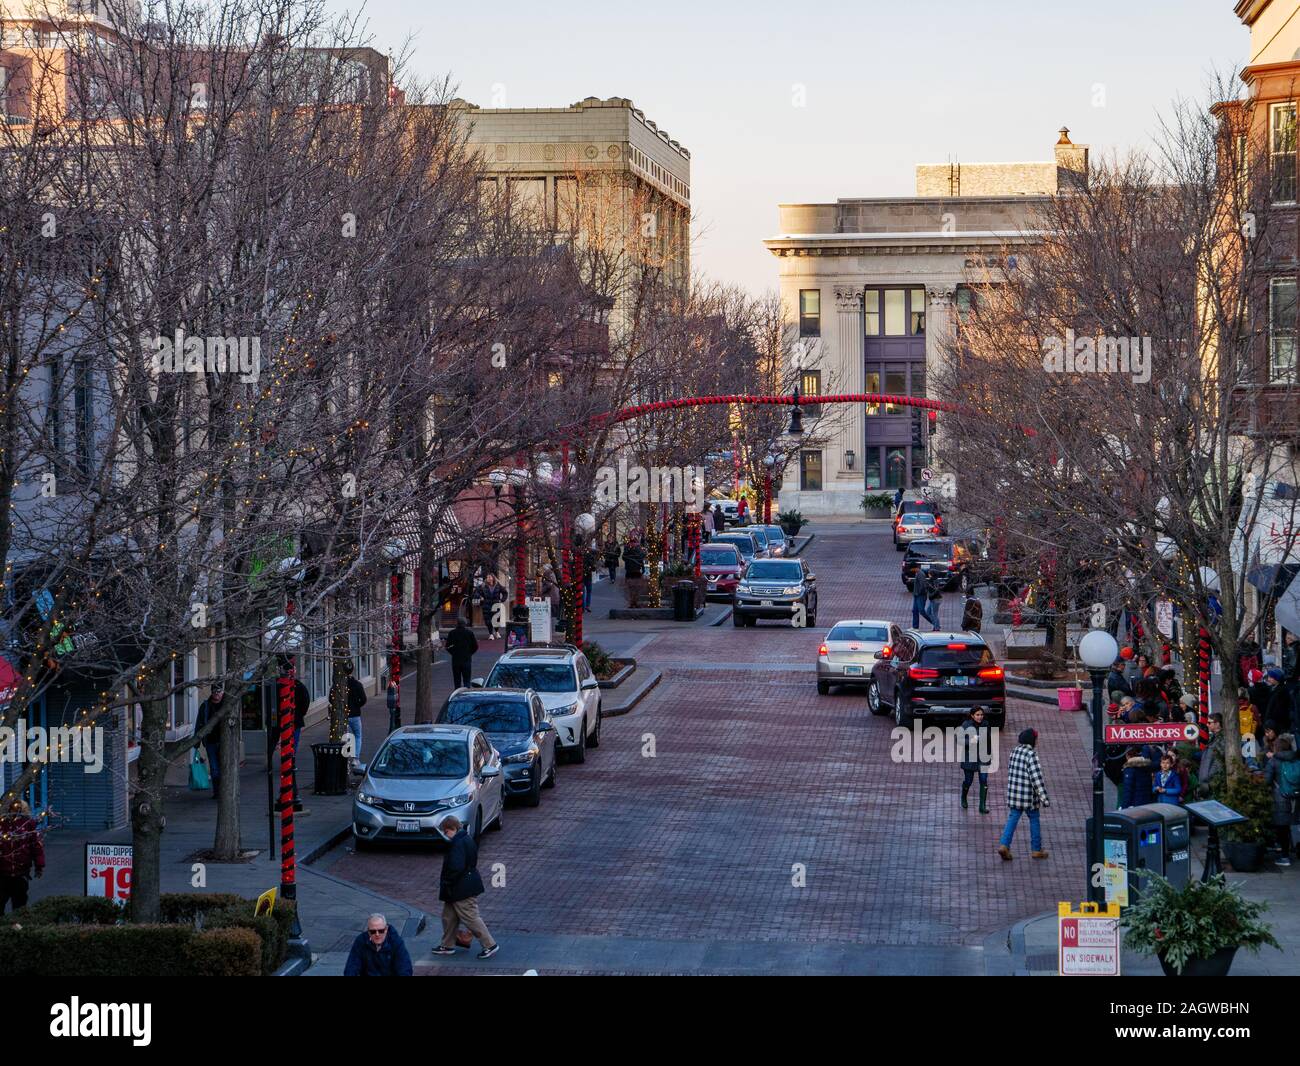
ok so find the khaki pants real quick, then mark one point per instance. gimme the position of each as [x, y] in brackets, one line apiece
[463, 913]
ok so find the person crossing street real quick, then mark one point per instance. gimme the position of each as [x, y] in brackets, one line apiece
[1026, 795]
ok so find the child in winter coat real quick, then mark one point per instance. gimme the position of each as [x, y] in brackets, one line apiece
[1136, 787]
[1167, 785]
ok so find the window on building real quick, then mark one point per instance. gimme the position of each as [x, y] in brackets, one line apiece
[810, 384]
[810, 313]
[566, 205]
[873, 386]
[1282, 152]
[871, 312]
[810, 471]
[967, 303]
[917, 387]
[916, 312]
[895, 385]
[1282, 329]
[895, 468]
[872, 468]
[895, 312]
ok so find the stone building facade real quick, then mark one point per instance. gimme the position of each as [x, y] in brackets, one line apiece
[872, 288]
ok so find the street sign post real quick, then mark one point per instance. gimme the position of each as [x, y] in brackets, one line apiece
[1087, 940]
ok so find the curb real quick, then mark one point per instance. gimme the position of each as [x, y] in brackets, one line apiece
[328, 844]
[638, 694]
[806, 541]
[722, 617]
[1033, 697]
[1016, 945]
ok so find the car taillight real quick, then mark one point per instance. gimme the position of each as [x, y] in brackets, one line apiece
[991, 673]
[956, 647]
[823, 650]
[922, 673]
[934, 529]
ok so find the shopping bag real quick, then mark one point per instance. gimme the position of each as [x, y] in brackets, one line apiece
[464, 937]
[199, 779]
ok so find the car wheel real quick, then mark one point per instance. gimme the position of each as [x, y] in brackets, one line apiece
[533, 797]
[823, 688]
[358, 844]
[478, 825]
[874, 704]
[902, 712]
[550, 778]
[737, 619]
[595, 733]
[580, 752]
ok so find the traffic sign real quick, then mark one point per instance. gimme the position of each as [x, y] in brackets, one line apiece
[1087, 940]
[1149, 732]
[927, 474]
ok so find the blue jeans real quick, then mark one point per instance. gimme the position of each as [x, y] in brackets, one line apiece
[354, 727]
[1035, 829]
[922, 608]
[586, 594]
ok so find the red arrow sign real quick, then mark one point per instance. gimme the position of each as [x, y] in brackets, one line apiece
[1150, 733]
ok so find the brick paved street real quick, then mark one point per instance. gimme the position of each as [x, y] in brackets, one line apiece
[753, 773]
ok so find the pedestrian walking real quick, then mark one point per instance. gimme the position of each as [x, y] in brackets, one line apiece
[22, 852]
[394, 711]
[742, 512]
[706, 525]
[378, 952]
[934, 596]
[633, 559]
[491, 594]
[461, 644]
[977, 756]
[1283, 776]
[719, 519]
[1212, 757]
[209, 709]
[590, 561]
[612, 554]
[1026, 795]
[920, 599]
[459, 888]
[1135, 787]
[356, 699]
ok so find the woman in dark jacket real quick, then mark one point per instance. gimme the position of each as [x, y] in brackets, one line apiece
[612, 555]
[976, 756]
[1135, 791]
[1282, 774]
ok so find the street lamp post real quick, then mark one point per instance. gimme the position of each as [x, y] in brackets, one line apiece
[769, 461]
[1098, 650]
[517, 479]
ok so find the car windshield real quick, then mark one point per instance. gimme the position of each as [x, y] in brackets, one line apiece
[956, 655]
[491, 716]
[762, 537]
[775, 533]
[858, 632]
[421, 757]
[719, 557]
[927, 549]
[541, 677]
[774, 570]
[745, 547]
[918, 519]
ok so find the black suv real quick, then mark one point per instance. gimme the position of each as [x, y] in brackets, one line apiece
[936, 675]
[775, 588]
[939, 556]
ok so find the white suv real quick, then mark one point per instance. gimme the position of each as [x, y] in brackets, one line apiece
[569, 690]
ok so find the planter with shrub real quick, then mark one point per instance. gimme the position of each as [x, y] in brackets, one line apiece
[1195, 930]
[1244, 844]
[791, 522]
[877, 504]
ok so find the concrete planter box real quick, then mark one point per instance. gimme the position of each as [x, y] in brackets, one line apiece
[642, 614]
[625, 671]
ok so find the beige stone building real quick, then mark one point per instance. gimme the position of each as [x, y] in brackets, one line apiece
[873, 285]
[599, 168]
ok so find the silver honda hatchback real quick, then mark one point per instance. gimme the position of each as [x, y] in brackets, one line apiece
[422, 774]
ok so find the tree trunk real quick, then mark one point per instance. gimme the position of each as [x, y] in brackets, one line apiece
[147, 809]
[425, 632]
[226, 845]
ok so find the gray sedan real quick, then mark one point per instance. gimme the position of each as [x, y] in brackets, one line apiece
[422, 774]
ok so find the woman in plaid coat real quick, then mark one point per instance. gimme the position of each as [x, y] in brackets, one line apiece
[1026, 793]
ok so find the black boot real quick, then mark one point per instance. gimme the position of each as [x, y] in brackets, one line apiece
[964, 790]
[984, 799]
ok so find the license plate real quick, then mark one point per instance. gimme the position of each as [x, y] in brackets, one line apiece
[959, 681]
[713, 582]
[853, 671]
[408, 825]
[765, 603]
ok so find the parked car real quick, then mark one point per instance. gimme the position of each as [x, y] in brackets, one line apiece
[777, 542]
[848, 652]
[940, 556]
[745, 542]
[916, 525]
[517, 725]
[775, 588]
[721, 566]
[936, 675]
[569, 690]
[910, 512]
[419, 776]
[759, 533]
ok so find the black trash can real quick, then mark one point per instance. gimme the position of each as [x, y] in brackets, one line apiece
[331, 769]
[684, 601]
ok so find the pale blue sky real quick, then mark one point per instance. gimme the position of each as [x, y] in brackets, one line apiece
[888, 85]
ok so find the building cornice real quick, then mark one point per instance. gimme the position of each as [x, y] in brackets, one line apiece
[844, 244]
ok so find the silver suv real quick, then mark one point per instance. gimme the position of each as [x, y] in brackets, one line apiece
[775, 588]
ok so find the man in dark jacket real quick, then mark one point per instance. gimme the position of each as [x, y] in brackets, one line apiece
[459, 888]
[921, 599]
[1116, 683]
[378, 952]
[633, 560]
[356, 699]
[21, 851]
[1278, 709]
[461, 644]
[208, 710]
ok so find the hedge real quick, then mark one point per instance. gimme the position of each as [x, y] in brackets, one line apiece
[54, 934]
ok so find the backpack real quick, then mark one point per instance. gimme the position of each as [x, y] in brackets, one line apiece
[1288, 778]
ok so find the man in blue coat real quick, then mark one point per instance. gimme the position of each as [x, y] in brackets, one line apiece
[378, 952]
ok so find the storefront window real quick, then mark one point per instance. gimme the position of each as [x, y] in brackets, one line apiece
[810, 471]
[873, 386]
[895, 317]
[873, 468]
[895, 468]
[917, 314]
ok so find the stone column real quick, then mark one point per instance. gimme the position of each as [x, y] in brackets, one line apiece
[939, 330]
[850, 376]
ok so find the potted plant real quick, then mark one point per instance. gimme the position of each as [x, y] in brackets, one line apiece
[1243, 844]
[877, 504]
[1196, 930]
[791, 521]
